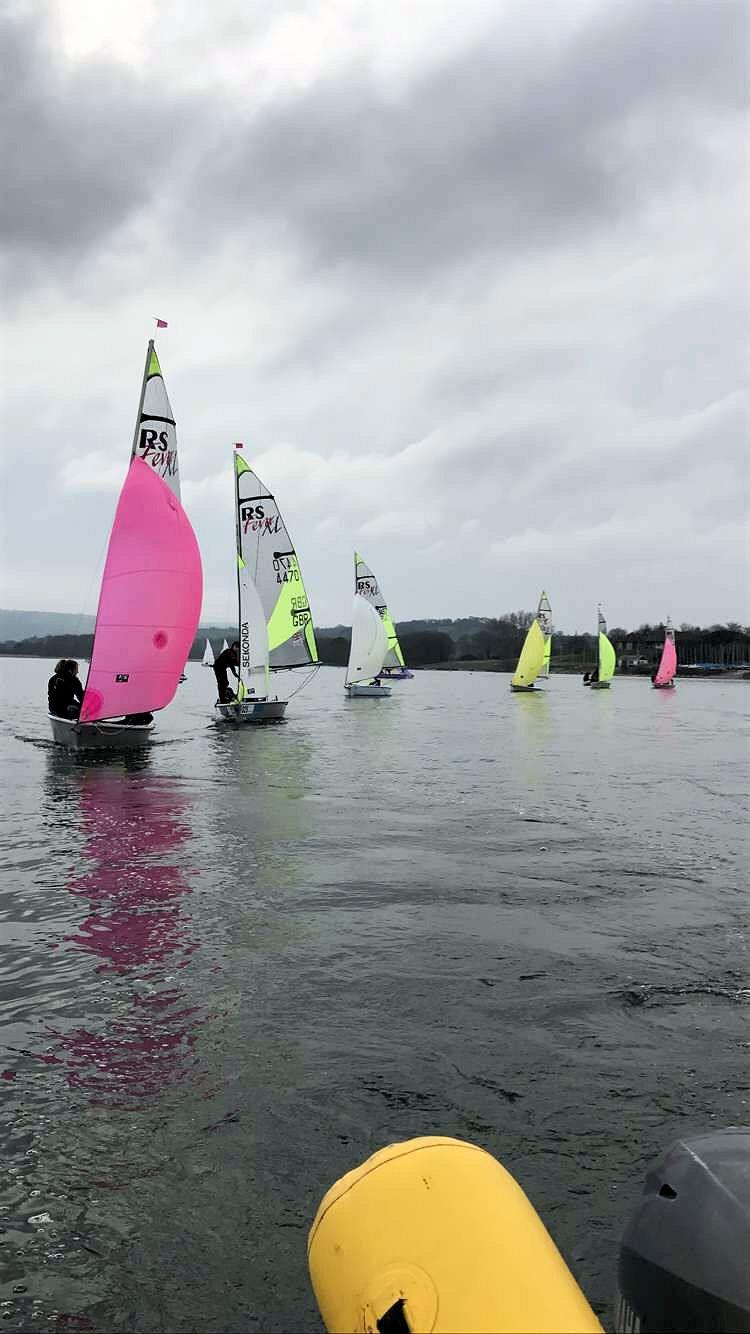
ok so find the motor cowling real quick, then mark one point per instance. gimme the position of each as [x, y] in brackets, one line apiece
[684, 1262]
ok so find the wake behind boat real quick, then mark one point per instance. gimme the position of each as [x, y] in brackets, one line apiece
[150, 597]
[275, 623]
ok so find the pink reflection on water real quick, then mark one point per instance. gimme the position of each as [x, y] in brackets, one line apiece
[137, 1043]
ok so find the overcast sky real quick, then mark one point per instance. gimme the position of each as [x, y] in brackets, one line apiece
[470, 280]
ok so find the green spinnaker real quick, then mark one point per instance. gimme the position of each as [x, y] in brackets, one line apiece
[607, 659]
[531, 659]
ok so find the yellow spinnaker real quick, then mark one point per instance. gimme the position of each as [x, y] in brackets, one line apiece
[531, 660]
[607, 659]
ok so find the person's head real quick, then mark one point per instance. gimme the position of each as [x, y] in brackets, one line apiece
[235, 646]
[60, 667]
[72, 666]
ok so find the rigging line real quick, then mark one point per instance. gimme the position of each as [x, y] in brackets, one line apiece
[316, 668]
[96, 571]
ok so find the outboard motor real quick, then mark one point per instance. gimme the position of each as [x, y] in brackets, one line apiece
[685, 1257]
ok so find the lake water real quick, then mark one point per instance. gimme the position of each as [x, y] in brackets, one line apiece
[233, 968]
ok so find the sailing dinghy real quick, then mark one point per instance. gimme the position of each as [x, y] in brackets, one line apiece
[534, 655]
[606, 657]
[208, 655]
[367, 586]
[275, 623]
[150, 597]
[367, 654]
[667, 670]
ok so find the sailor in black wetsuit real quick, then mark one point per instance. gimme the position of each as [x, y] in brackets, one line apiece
[64, 690]
[227, 662]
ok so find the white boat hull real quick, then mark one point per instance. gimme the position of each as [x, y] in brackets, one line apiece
[73, 735]
[367, 691]
[523, 690]
[599, 685]
[252, 711]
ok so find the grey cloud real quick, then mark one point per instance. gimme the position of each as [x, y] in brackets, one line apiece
[498, 149]
[411, 317]
[641, 53]
[86, 148]
[691, 353]
[511, 145]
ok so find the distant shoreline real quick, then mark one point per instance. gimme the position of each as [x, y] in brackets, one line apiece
[480, 665]
[501, 668]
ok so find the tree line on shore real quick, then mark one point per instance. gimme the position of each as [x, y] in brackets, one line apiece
[468, 639]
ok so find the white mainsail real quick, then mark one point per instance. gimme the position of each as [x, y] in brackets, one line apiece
[369, 646]
[208, 655]
[253, 638]
[368, 587]
[155, 439]
[264, 544]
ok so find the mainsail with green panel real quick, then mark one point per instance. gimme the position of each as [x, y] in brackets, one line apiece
[155, 438]
[544, 617]
[366, 585]
[276, 626]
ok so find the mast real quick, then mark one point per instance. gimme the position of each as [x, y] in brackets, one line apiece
[238, 544]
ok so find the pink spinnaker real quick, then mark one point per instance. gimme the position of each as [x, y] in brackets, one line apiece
[668, 665]
[149, 603]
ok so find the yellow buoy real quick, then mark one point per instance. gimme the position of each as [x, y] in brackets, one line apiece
[434, 1234]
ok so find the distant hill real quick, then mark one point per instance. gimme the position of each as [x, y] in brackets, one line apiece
[36, 624]
[20, 625]
[432, 641]
[462, 628]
